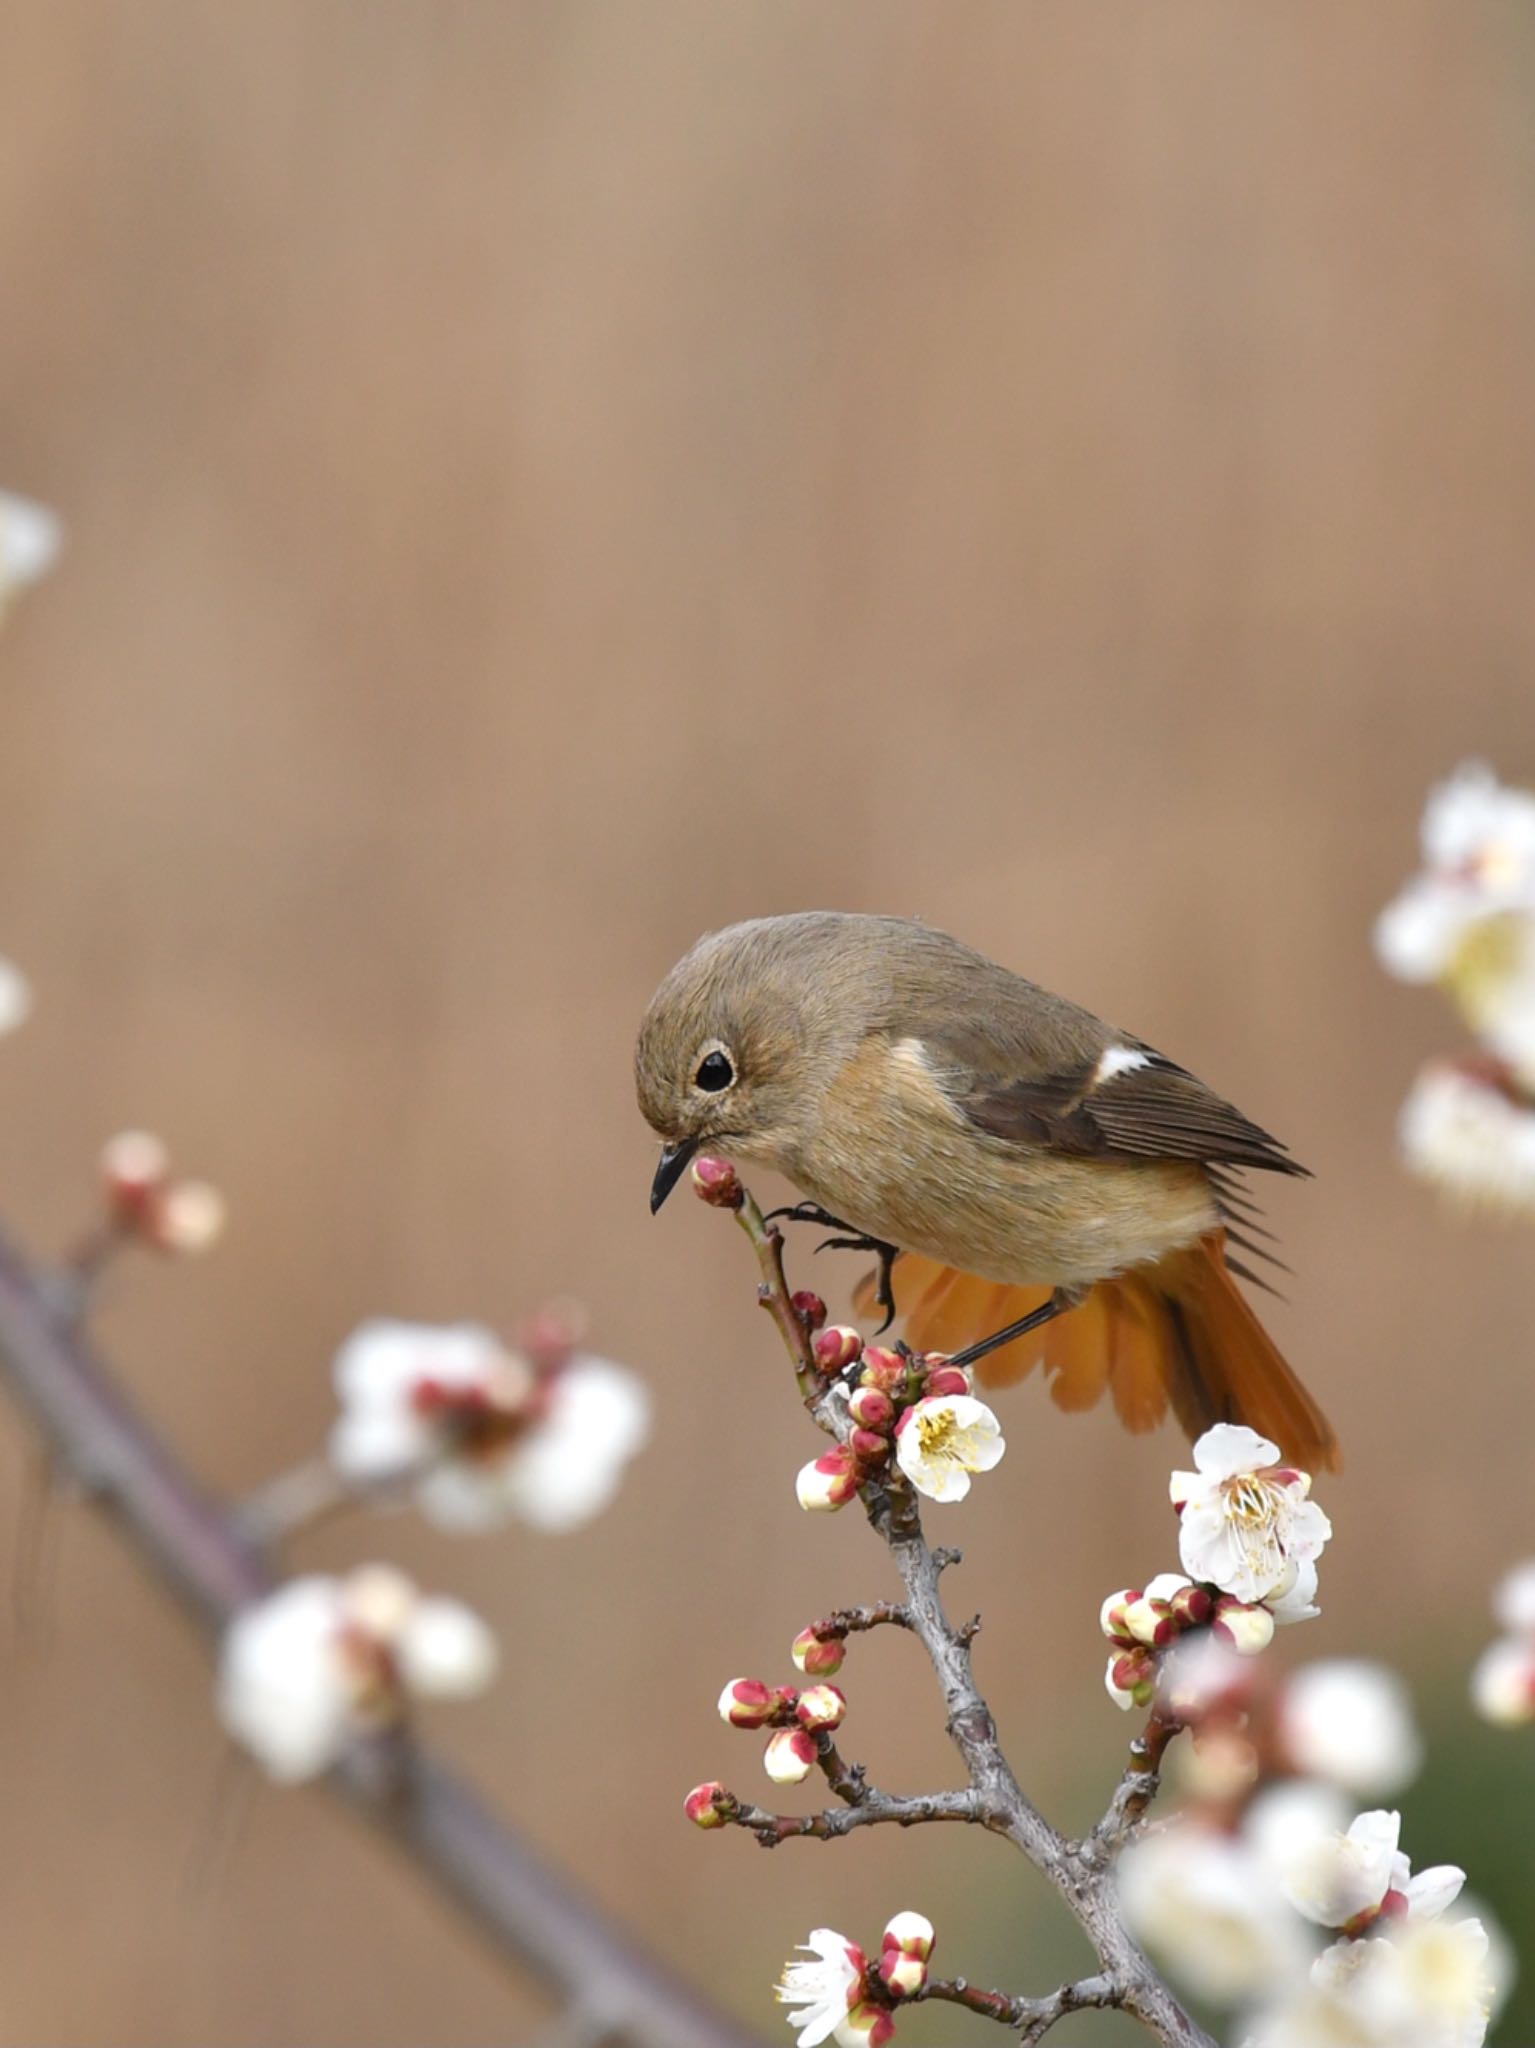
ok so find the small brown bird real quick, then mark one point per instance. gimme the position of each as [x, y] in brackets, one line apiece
[1009, 1156]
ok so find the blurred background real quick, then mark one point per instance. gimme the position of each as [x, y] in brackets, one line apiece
[543, 482]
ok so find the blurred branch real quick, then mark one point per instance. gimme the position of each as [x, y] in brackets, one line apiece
[1082, 1873]
[214, 1567]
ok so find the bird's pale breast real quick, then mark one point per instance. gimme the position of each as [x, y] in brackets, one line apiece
[893, 1156]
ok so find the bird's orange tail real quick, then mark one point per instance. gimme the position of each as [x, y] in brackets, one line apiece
[1180, 1334]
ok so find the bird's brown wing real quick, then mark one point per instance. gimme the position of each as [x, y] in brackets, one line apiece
[1151, 1111]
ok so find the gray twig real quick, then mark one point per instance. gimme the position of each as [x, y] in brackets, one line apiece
[199, 1552]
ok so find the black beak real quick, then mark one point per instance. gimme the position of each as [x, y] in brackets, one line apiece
[674, 1163]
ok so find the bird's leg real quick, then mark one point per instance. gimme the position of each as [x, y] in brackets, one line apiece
[1062, 1299]
[807, 1212]
[853, 1240]
[887, 1254]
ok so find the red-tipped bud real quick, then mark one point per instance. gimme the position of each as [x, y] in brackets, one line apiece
[818, 1658]
[549, 1336]
[821, 1706]
[869, 1447]
[747, 1703]
[948, 1379]
[790, 1756]
[709, 1806]
[1192, 1607]
[904, 1952]
[1247, 1629]
[872, 1408]
[837, 1348]
[134, 1167]
[1112, 1615]
[1150, 1622]
[716, 1182]
[884, 1369]
[809, 1307]
[866, 2026]
[828, 1482]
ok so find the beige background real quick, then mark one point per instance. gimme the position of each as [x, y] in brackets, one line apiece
[545, 480]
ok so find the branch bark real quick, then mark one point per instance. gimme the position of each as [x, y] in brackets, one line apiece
[1081, 1872]
[196, 1550]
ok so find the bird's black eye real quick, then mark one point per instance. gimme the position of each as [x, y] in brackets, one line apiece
[714, 1072]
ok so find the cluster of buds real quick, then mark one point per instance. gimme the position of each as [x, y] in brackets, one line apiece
[914, 1408]
[1143, 1624]
[795, 1718]
[146, 1201]
[842, 1997]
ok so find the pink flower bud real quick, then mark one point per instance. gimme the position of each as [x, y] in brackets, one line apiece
[866, 2026]
[1247, 1629]
[821, 1706]
[818, 1657]
[809, 1307]
[872, 1408]
[902, 1974]
[134, 1165]
[828, 1482]
[837, 1348]
[911, 1933]
[715, 1181]
[1150, 1622]
[869, 1447]
[1192, 1607]
[709, 1806]
[1111, 1615]
[948, 1379]
[1135, 1674]
[790, 1756]
[884, 1369]
[747, 1703]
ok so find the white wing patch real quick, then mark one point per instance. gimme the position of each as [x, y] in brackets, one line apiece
[1118, 1059]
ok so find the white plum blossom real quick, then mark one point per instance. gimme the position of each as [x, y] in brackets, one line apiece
[1285, 1820]
[1468, 1128]
[942, 1440]
[477, 1432]
[1348, 1880]
[825, 1990]
[1245, 1523]
[1513, 1599]
[1208, 1908]
[1468, 921]
[1478, 840]
[15, 996]
[1350, 1721]
[1430, 1984]
[322, 1660]
[1503, 1681]
[30, 537]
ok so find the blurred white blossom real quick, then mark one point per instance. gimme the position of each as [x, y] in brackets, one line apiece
[1246, 1524]
[1427, 1984]
[30, 537]
[479, 1434]
[942, 1440]
[1349, 1879]
[1469, 1129]
[1350, 1721]
[1468, 920]
[324, 1659]
[1210, 1909]
[15, 996]
[1503, 1681]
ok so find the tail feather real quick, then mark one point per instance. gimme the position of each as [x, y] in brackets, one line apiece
[1180, 1334]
